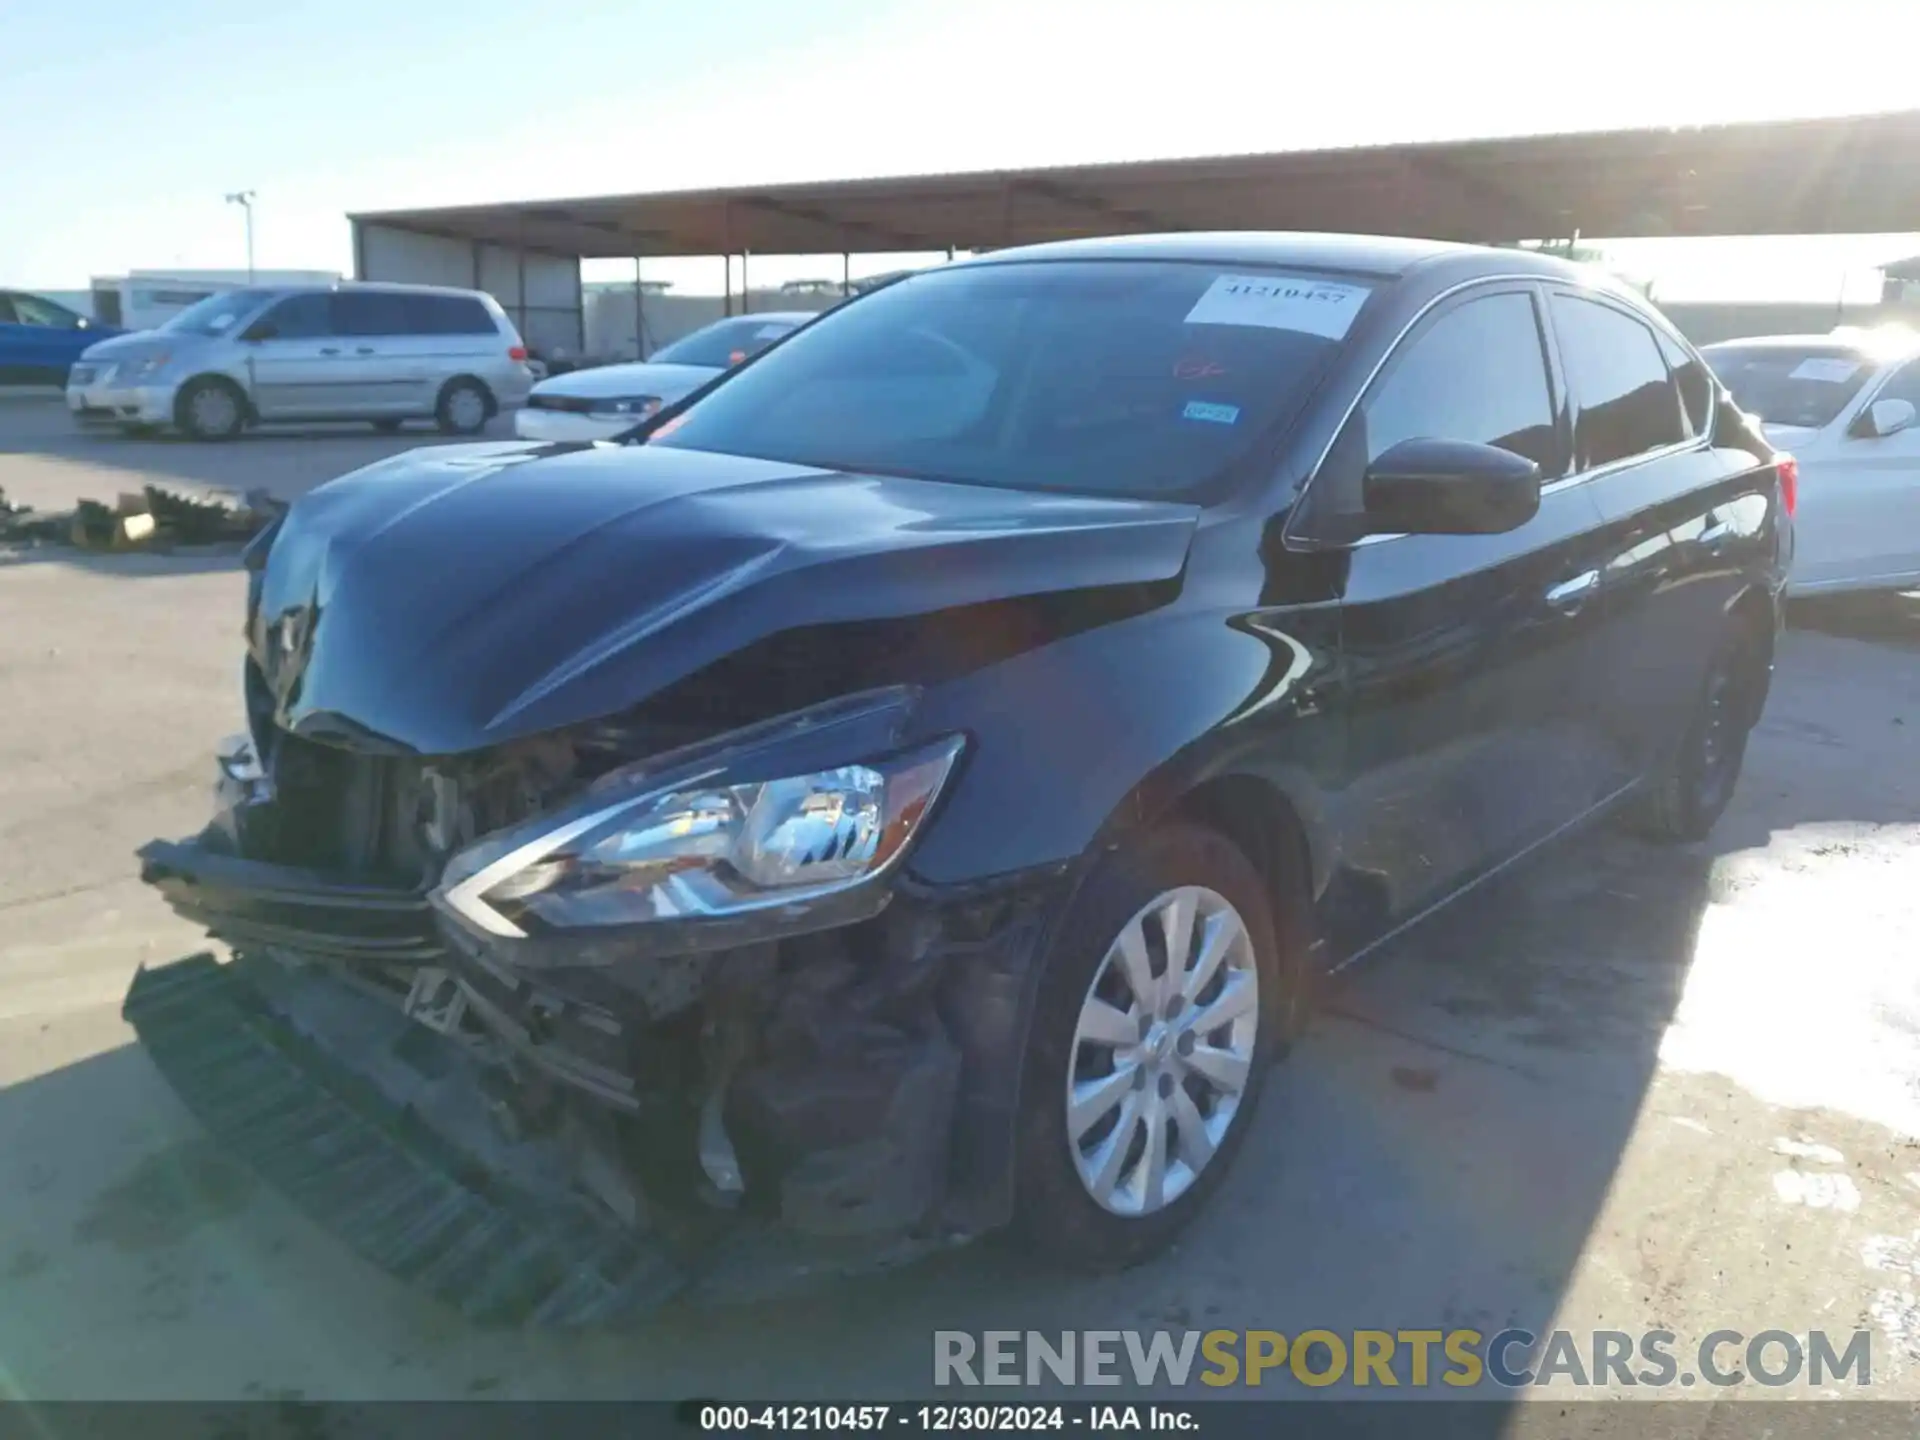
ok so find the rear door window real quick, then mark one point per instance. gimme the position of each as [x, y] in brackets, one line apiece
[370, 313]
[1626, 402]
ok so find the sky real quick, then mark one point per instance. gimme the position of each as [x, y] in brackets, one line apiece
[124, 123]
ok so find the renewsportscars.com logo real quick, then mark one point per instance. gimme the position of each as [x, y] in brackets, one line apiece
[1413, 1359]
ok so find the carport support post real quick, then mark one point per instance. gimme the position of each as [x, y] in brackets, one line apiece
[846, 274]
[639, 314]
[520, 258]
[726, 247]
[746, 290]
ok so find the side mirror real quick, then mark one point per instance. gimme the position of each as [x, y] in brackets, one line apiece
[1450, 487]
[1881, 419]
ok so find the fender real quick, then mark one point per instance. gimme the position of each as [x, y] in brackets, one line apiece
[1219, 694]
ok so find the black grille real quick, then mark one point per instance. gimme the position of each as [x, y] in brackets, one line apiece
[571, 404]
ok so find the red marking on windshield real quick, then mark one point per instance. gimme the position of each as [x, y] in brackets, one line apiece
[1197, 367]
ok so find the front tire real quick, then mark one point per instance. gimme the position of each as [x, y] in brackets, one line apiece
[210, 408]
[1152, 1035]
[464, 408]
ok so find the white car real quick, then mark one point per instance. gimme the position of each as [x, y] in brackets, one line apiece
[608, 400]
[1847, 406]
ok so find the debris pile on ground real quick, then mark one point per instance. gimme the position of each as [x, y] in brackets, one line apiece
[150, 519]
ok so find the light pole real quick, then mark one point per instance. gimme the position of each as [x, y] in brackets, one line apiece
[244, 199]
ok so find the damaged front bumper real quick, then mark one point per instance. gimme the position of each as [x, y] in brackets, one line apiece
[574, 1144]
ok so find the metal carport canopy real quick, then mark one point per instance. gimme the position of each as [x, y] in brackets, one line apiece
[1850, 175]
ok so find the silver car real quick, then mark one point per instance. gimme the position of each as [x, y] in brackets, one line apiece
[385, 353]
[607, 400]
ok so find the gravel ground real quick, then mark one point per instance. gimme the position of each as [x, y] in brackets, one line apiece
[1626, 1088]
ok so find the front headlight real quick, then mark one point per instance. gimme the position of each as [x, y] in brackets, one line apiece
[637, 407]
[701, 845]
[150, 366]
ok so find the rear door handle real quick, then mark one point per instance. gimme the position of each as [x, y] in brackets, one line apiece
[1569, 595]
[364, 350]
[329, 349]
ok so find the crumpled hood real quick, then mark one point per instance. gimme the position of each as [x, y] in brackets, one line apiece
[459, 596]
[604, 382]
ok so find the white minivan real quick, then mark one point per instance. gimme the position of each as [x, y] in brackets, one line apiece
[347, 351]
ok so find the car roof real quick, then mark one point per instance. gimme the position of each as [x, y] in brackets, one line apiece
[327, 287]
[1383, 255]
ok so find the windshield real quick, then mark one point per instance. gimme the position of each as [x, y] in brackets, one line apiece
[727, 343]
[1113, 377]
[217, 314]
[1791, 384]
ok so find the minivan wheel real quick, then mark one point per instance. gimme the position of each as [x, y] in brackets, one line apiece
[1685, 801]
[1150, 1042]
[463, 407]
[210, 408]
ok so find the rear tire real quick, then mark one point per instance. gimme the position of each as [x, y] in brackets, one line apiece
[464, 407]
[1089, 1194]
[210, 408]
[1686, 800]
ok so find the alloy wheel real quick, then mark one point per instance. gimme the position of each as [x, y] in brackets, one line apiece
[1162, 1051]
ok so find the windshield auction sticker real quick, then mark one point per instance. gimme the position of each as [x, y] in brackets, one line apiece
[1280, 302]
[1820, 367]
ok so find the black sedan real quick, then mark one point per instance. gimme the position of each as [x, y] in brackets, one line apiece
[914, 784]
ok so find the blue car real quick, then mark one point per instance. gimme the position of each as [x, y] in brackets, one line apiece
[39, 340]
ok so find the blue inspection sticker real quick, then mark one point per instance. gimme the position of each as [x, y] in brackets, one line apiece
[1207, 410]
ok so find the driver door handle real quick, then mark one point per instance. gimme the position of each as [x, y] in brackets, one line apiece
[1570, 595]
[329, 349]
[364, 350]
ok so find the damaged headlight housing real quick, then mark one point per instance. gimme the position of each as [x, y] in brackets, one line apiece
[712, 841]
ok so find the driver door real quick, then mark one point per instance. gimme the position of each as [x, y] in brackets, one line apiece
[295, 359]
[1472, 732]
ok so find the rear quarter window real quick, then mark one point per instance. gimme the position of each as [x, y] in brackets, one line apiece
[449, 315]
[1694, 379]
